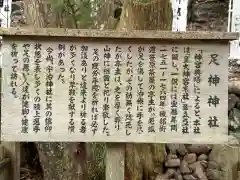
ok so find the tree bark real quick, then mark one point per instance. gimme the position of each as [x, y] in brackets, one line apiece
[59, 161]
[33, 11]
[141, 159]
[156, 15]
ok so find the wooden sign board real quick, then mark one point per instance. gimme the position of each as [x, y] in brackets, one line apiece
[114, 89]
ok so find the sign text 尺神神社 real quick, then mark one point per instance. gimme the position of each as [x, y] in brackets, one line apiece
[108, 91]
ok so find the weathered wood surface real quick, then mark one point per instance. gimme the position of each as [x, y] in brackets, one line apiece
[232, 160]
[227, 157]
[12, 150]
[4, 165]
[115, 160]
[13, 128]
[151, 34]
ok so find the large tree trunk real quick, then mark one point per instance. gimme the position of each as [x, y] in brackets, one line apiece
[60, 161]
[34, 13]
[156, 15]
[142, 159]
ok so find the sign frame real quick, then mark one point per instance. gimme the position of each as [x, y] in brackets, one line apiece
[136, 36]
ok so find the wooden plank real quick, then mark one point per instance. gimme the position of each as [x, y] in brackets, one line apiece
[134, 34]
[115, 160]
[4, 164]
[128, 83]
[12, 150]
[238, 175]
[232, 158]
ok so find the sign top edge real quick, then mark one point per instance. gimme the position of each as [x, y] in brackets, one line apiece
[112, 34]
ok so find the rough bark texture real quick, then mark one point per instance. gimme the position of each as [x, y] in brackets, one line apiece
[34, 13]
[63, 161]
[208, 15]
[143, 159]
[156, 15]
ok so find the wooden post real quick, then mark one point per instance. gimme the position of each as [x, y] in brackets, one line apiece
[232, 160]
[4, 165]
[12, 150]
[238, 175]
[115, 160]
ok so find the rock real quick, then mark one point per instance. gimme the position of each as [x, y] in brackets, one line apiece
[195, 165]
[237, 104]
[213, 174]
[178, 171]
[234, 69]
[189, 177]
[218, 155]
[178, 176]
[162, 177]
[212, 165]
[232, 100]
[184, 167]
[170, 172]
[199, 149]
[182, 150]
[234, 119]
[199, 173]
[202, 157]
[172, 163]
[157, 170]
[204, 163]
[208, 15]
[190, 158]
[172, 148]
[172, 156]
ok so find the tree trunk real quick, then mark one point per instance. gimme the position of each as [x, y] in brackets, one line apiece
[33, 11]
[142, 159]
[156, 15]
[60, 161]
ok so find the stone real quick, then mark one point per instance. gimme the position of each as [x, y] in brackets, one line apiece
[157, 170]
[172, 148]
[153, 177]
[204, 164]
[213, 174]
[199, 149]
[184, 167]
[238, 104]
[218, 155]
[212, 165]
[189, 177]
[234, 119]
[199, 173]
[182, 150]
[209, 15]
[232, 100]
[195, 165]
[161, 177]
[170, 172]
[190, 158]
[178, 176]
[172, 163]
[172, 156]
[202, 157]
